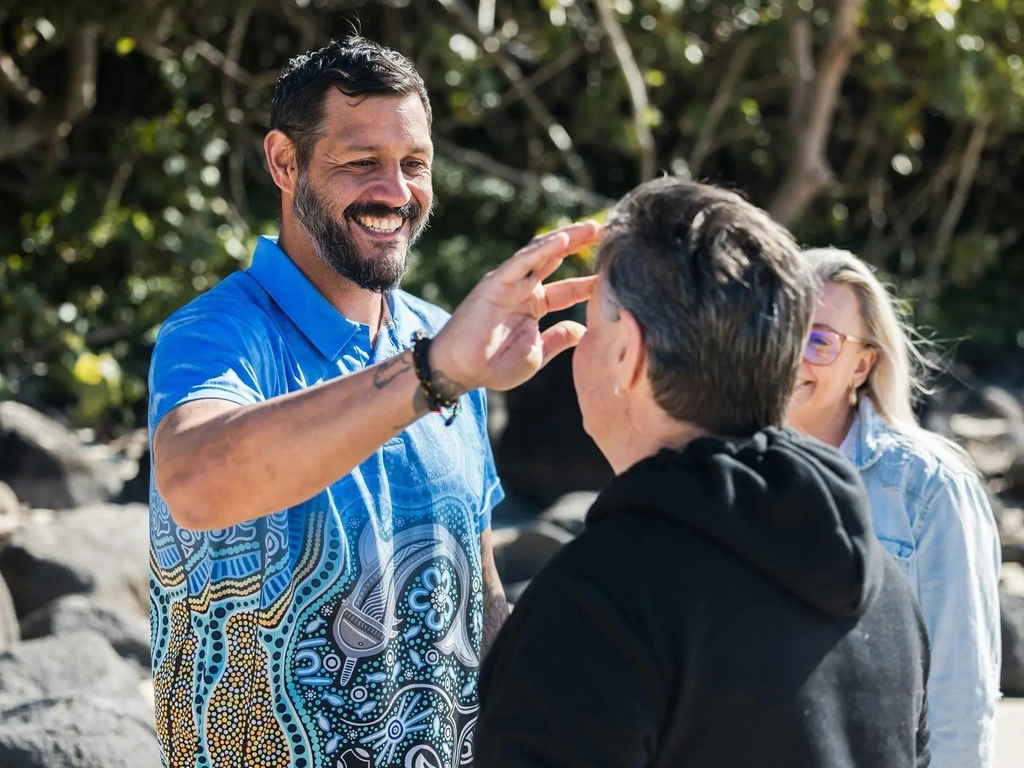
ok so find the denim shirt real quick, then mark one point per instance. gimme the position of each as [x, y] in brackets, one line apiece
[934, 518]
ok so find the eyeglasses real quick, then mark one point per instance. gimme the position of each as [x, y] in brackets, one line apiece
[824, 345]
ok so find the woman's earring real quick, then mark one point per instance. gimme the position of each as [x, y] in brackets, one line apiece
[618, 391]
[853, 397]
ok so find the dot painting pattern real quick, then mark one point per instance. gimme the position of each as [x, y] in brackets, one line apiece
[344, 633]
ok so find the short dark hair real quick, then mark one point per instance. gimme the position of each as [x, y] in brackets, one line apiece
[356, 67]
[723, 297]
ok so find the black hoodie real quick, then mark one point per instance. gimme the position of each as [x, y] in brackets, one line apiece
[726, 606]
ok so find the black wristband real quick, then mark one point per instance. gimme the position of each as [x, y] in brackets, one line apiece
[435, 400]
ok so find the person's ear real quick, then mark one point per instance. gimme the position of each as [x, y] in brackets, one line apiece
[280, 153]
[865, 363]
[631, 354]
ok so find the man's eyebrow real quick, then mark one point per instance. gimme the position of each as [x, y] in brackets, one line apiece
[372, 149]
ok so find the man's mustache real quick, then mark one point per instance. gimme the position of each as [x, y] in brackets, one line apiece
[410, 211]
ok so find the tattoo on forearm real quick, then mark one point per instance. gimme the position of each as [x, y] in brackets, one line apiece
[391, 369]
[495, 613]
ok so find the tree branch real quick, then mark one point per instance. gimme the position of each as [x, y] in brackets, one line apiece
[809, 171]
[720, 103]
[635, 85]
[866, 135]
[515, 176]
[236, 158]
[562, 61]
[801, 54]
[964, 181]
[302, 23]
[46, 122]
[555, 131]
[14, 81]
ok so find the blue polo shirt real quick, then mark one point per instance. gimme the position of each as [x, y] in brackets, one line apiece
[344, 631]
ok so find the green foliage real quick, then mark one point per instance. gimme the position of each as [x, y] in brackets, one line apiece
[158, 189]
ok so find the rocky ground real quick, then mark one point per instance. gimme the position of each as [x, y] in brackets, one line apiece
[75, 687]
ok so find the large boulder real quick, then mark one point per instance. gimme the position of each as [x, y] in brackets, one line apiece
[47, 465]
[519, 555]
[100, 549]
[570, 511]
[78, 731]
[9, 631]
[54, 667]
[11, 512]
[1011, 609]
[126, 631]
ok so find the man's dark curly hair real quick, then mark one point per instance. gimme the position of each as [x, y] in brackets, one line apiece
[355, 66]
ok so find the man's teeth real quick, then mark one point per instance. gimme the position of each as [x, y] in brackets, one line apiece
[386, 225]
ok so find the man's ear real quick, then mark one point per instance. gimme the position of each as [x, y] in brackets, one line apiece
[280, 152]
[632, 357]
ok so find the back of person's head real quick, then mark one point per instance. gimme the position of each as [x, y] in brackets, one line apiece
[899, 368]
[355, 66]
[723, 299]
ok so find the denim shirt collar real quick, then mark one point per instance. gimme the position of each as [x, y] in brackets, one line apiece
[327, 329]
[862, 446]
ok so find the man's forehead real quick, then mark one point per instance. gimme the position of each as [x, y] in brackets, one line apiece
[352, 116]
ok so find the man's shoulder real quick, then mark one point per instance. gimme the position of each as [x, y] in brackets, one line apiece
[235, 302]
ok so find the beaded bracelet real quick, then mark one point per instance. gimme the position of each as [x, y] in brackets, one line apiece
[436, 402]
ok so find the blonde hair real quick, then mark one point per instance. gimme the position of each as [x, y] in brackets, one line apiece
[898, 375]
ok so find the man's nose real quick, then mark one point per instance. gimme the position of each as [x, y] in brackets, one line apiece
[391, 187]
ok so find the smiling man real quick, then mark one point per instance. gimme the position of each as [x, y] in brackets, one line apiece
[323, 586]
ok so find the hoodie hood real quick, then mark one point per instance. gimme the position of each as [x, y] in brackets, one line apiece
[793, 508]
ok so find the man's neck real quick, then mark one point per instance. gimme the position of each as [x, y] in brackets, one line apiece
[355, 303]
[646, 442]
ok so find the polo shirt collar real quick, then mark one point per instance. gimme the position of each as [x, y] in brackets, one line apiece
[326, 328]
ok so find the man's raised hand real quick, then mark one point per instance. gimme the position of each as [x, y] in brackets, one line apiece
[493, 338]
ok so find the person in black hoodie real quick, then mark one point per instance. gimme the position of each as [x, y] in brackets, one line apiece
[727, 604]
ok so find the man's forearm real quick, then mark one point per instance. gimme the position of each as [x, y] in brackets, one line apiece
[495, 612]
[495, 604]
[241, 463]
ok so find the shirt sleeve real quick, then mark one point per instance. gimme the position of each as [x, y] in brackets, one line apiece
[203, 353]
[493, 492]
[958, 576]
[568, 683]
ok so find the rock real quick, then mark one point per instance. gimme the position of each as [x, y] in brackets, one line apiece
[9, 631]
[75, 663]
[84, 731]
[136, 490]
[513, 592]
[1011, 534]
[47, 465]
[543, 452]
[1001, 403]
[126, 631]
[1011, 609]
[570, 511]
[523, 557]
[11, 514]
[100, 549]
[1011, 579]
[973, 428]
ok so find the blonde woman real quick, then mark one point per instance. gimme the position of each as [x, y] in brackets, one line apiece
[930, 511]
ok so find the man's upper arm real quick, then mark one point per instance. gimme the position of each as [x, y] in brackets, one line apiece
[958, 571]
[569, 682]
[202, 353]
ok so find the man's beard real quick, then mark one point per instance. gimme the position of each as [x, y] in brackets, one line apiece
[333, 241]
